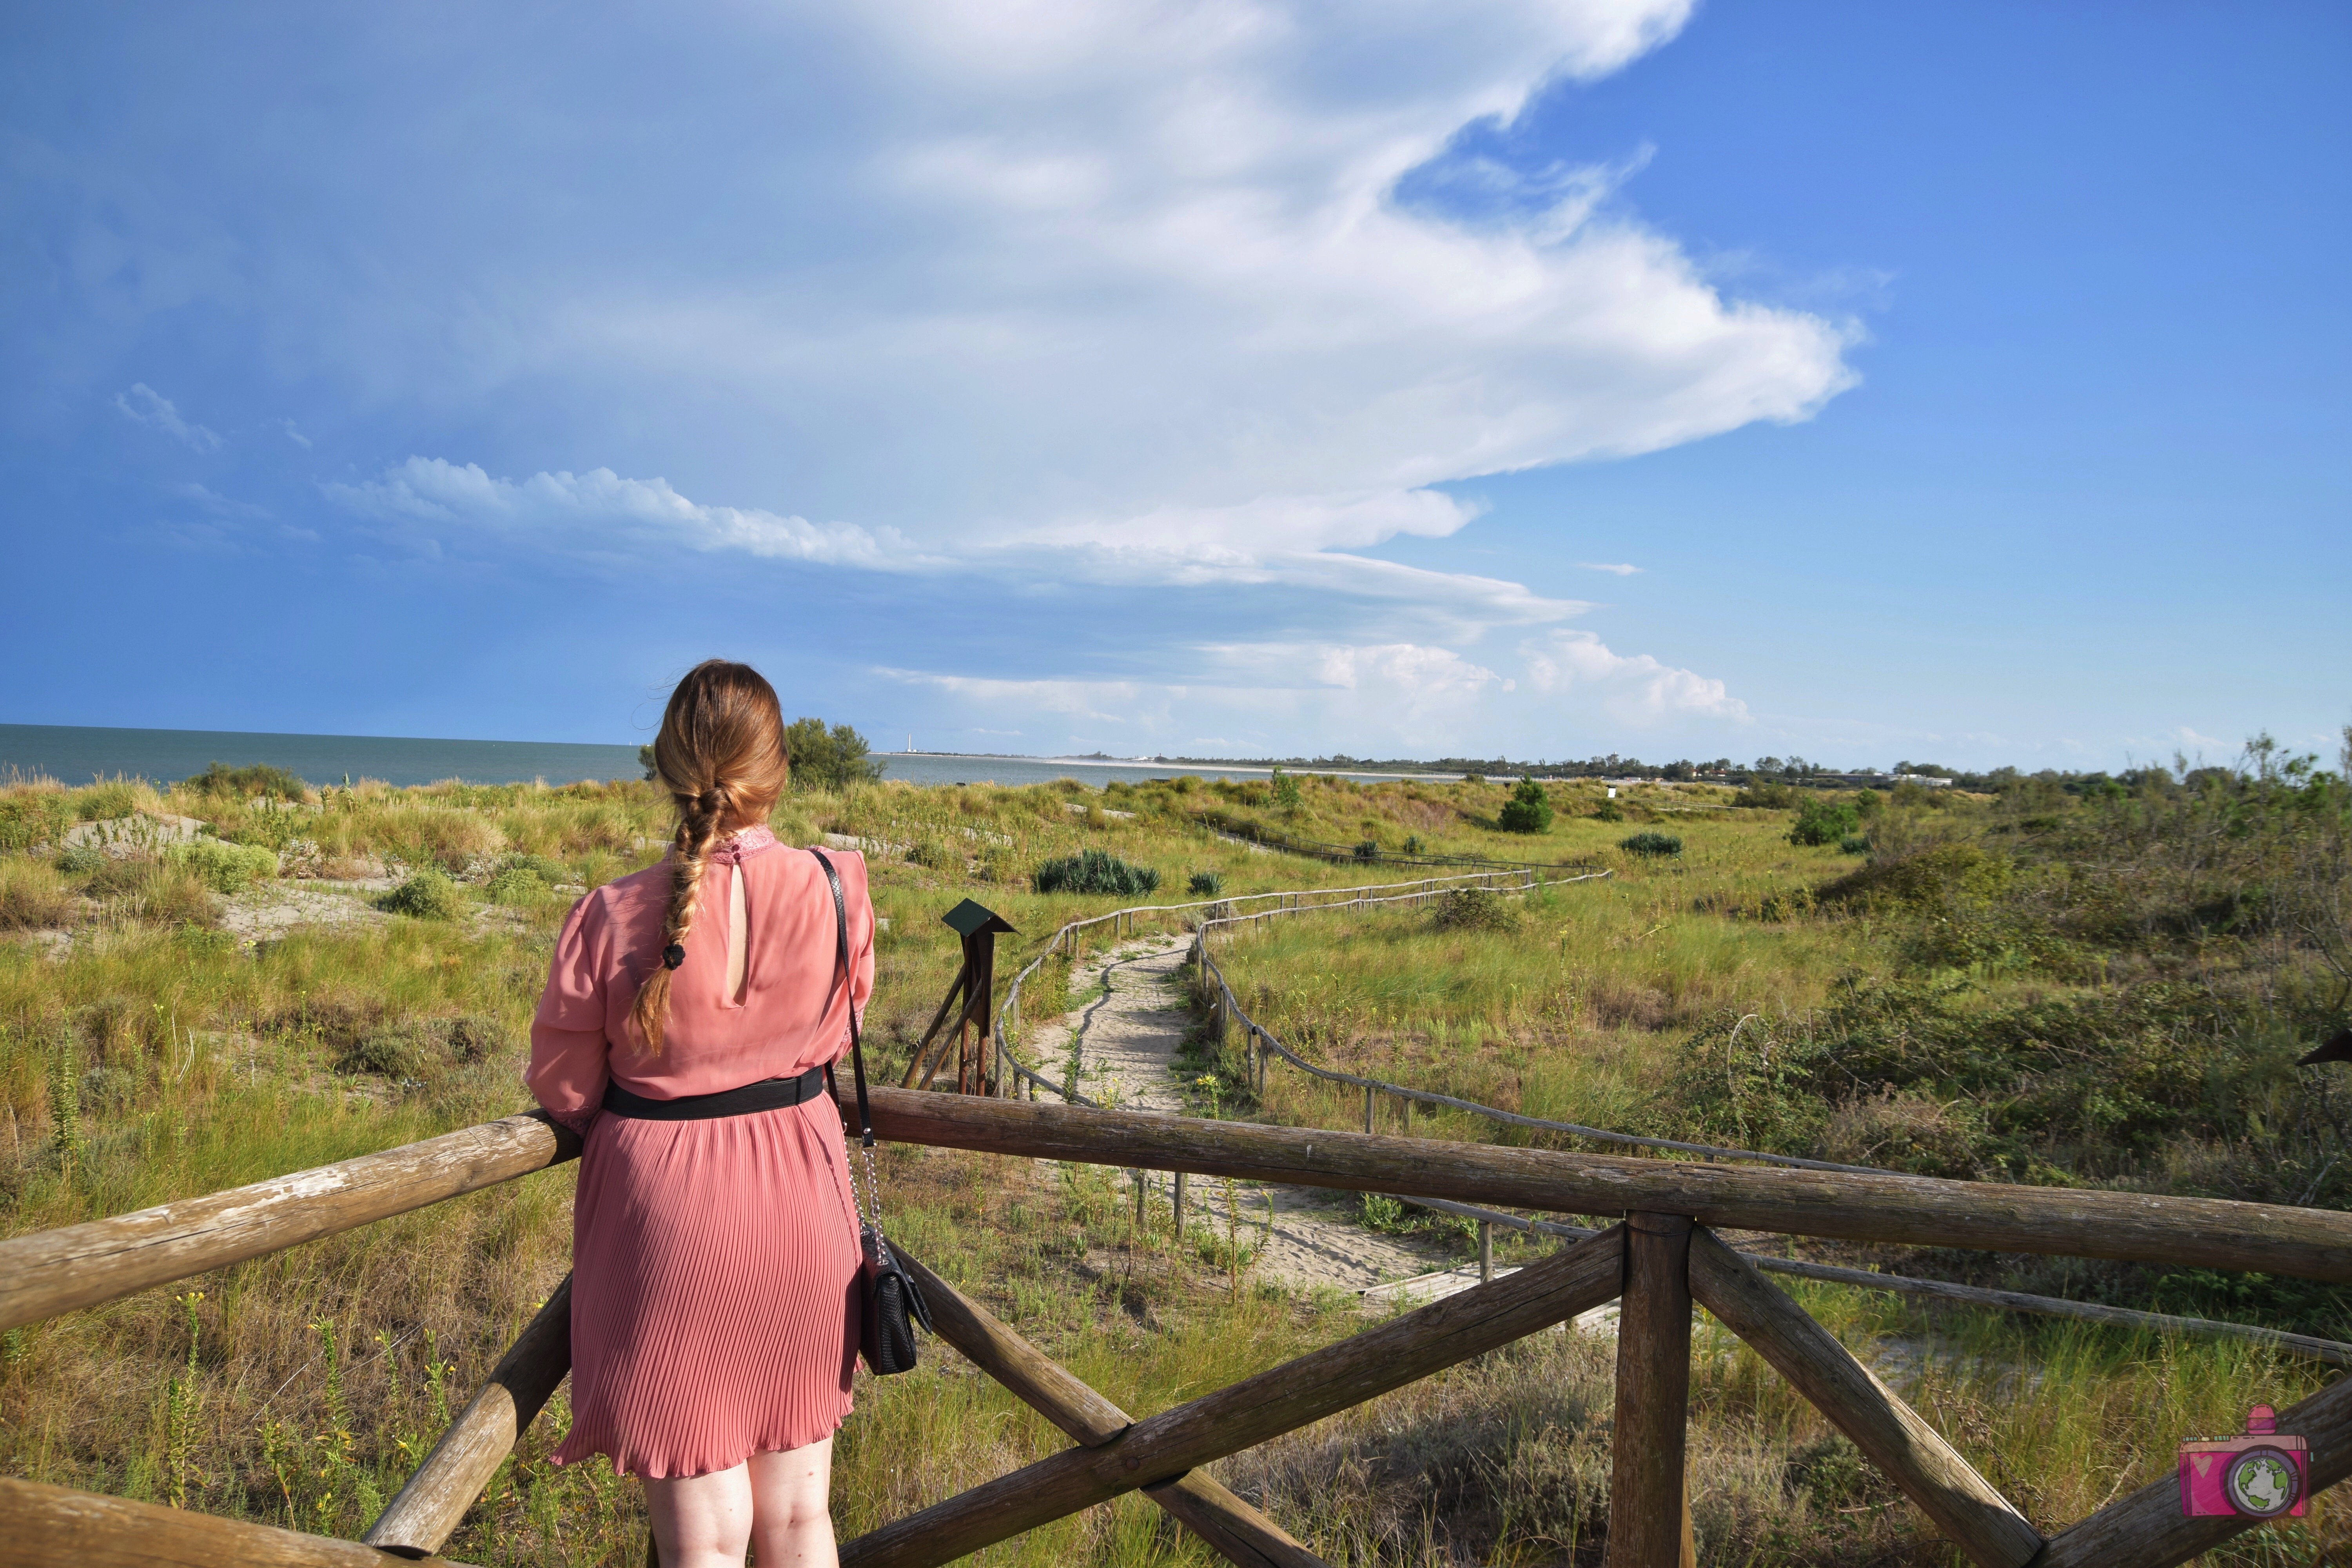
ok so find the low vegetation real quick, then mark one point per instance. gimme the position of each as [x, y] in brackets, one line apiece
[2040, 983]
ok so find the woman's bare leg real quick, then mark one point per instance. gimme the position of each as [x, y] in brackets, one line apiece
[702, 1521]
[791, 1506]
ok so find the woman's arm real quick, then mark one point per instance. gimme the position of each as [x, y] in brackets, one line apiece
[568, 1068]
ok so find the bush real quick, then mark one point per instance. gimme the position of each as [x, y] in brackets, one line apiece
[244, 783]
[1821, 822]
[1528, 810]
[107, 799]
[552, 873]
[1474, 909]
[30, 816]
[515, 885]
[1370, 849]
[222, 867]
[1205, 885]
[1095, 871]
[81, 860]
[1650, 844]
[427, 896]
[1610, 811]
[1854, 843]
[1766, 795]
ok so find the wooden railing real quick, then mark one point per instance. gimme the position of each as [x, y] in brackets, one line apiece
[1658, 1260]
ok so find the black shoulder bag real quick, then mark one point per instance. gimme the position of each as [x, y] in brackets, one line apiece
[893, 1302]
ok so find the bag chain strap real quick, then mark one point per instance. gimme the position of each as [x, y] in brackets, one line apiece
[857, 1051]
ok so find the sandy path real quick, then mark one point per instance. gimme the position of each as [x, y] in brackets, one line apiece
[1126, 1034]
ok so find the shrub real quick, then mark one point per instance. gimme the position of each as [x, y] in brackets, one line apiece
[244, 783]
[1205, 885]
[1854, 843]
[934, 855]
[1610, 811]
[552, 873]
[35, 816]
[1370, 849]
[81, 860]
[515, 885]
[32, 896]
[1474, 909]
[107, 799]
[1095, 871]
[1650, 844]
[1286, 790]
[1819, 822]
[222, 867]
[396, 1053]
[1528, 810]
[427, 896]
[1766, 795]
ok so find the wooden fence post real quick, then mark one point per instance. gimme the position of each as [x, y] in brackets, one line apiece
[1368, 1107]
[427, 1511]
[1649, 1508]
[1486, 1252]
[1179, 1208]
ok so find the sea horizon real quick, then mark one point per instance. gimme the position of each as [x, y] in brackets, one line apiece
[80, 753]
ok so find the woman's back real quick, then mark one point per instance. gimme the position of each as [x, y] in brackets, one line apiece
[795, 1010]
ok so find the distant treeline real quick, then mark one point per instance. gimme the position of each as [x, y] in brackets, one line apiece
[1792, 770]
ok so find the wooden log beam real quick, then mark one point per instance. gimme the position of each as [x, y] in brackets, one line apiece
[919, 1071]
[2207, 1233]
[1241, 1532]
[1649, 1505]
[427, 1511]
[1908, 1451]
[1164, 1446]
[55, 1271]
[55, 1526]
[2147, 1530]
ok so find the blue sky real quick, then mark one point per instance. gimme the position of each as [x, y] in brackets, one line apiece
[1863, 382]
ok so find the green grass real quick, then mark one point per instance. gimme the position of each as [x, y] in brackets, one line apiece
[190, 1062]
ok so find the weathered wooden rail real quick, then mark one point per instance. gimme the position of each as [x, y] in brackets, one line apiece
[1658, 1261]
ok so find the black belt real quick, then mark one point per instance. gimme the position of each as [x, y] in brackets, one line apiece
[768, 1094]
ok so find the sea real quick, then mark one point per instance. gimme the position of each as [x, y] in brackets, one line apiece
[77, 754]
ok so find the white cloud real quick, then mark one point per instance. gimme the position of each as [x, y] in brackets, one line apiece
[1150, 285]
[143, 404]
[600, 509]
[1621, 570]
[217, 504]
[293, 435]
[2183, 735]
[1634, 688]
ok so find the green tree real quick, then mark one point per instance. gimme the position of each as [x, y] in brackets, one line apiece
[825, 759]
[1528, 810]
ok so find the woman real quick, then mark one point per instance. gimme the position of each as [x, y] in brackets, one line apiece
[688, 1016]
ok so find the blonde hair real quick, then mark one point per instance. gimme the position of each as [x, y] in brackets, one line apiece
[720, 755]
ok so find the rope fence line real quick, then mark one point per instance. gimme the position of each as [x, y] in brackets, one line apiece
[2335, 1352]
[2331, 1351]
[1261, 1037]
[1298, 900]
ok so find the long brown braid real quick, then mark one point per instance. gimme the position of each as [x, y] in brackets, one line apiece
[720, 755]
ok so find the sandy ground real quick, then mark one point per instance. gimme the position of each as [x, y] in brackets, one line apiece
[273, 909]
[1126, 1037]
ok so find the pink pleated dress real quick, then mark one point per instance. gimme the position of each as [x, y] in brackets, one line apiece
[714, 1262]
